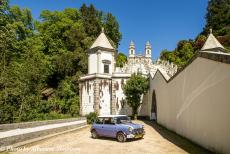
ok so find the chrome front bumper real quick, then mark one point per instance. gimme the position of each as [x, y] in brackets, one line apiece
[135, 136]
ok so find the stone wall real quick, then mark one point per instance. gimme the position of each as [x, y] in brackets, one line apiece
[21, 125]
[37, 134]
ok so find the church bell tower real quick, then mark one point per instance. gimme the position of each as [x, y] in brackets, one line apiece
[131, 49]
[148, 49]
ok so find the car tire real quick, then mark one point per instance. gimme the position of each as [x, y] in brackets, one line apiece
[94, 134]
[121, 137]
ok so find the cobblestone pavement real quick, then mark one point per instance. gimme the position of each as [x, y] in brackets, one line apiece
[157, 140]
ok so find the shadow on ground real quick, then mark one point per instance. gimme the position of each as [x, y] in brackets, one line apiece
[178, 140]
[115, 140]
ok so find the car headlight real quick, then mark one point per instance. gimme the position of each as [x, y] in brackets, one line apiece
[130, 129]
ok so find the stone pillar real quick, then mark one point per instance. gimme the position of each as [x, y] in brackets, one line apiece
[113, 102]
[99, 61]
[89, 63]
[113, 63]
[80, 94]
[96, 96]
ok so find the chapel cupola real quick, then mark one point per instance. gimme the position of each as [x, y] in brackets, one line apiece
[102, 41]
[101, 56]
[148, 49]
[131, 49]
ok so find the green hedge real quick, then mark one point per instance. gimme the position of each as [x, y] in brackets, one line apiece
[91, 117]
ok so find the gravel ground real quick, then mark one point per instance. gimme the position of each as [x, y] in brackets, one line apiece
[157, 140]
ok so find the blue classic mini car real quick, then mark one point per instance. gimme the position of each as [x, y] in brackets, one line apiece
[116, 126]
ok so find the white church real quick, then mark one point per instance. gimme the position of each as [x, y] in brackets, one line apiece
[101, 89]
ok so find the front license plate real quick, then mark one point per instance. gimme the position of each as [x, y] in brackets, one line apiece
[138, 136]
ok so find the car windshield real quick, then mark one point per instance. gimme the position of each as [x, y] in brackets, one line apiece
[123, 119]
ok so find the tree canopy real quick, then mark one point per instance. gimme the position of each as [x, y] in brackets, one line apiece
[121, 59]
[41, 61]
[135, 87]
[218, 19]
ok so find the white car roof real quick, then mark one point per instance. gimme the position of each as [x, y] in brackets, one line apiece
[111, 116]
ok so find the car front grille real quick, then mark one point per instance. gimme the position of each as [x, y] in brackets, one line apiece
[138, 131]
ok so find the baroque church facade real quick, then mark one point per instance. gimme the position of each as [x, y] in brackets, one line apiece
[101, 89]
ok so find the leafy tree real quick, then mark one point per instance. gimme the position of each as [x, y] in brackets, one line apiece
[50, 53]
[121, 59]
[112, 29]
[181, 55]
[134, 88]
[92, 20]
[217, 18]
[199, 42]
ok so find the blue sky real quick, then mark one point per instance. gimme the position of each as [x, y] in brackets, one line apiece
[162, 22]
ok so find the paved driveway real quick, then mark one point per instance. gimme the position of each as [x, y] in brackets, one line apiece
[157, 140]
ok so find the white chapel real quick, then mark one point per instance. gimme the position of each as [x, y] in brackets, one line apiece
[101, 89]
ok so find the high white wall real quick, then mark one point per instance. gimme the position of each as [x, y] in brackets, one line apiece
[144, 109]
[196, 103]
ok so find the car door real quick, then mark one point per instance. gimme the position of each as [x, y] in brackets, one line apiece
[98, 125]
[109, 128]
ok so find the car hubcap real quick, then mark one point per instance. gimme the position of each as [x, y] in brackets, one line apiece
[94, 134]
[120, 137]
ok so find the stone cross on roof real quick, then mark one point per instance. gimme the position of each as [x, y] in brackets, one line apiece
[212, 43]
[102, 41]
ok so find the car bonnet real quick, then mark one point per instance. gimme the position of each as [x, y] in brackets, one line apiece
[133, 125]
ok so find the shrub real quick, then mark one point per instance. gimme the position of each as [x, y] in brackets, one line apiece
[91, 117]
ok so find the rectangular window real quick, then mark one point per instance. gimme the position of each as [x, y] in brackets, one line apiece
[106, 68]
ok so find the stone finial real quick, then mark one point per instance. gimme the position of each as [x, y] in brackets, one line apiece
[211, 44]
[210, 30]
[131, 43]
[102, 41]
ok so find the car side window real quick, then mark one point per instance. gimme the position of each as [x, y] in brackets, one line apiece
[99, 121]
[109, 121]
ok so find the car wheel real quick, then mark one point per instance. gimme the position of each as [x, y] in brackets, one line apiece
[94, 134]
[121, 137]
